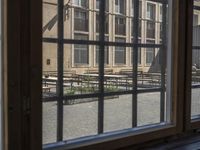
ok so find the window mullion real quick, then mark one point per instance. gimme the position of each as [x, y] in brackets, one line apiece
[101, 66]
[135, 62]
[163, 53]
[59, 87]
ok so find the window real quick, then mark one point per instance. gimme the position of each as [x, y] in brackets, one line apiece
[106, 23]
[195, 19]
[96, 99]
[98, 3]
[150, 30]
[120, 6]
[80, 51]
[120, 25]
[48, 61]
[80, 20]
[150, 23]
[124, 107]
[151, 11]
[140, 9]
[120, 52]
[81, 3]
[150, 54]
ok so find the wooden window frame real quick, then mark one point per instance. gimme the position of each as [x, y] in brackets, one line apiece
[23, 86]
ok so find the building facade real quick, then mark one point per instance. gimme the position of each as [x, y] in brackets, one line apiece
[81, 22]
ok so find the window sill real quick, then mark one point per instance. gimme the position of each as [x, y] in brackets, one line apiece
[94, 142]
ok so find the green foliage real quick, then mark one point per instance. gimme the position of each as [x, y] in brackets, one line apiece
[111, 88]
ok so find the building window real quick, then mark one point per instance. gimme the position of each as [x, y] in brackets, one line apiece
[80, 20]
[98, 5]
[150, 16]
[81, 3]
[150, 53]
[106, 23]
[151, 11]
[120, 25]
[150, 29]
[81, 52]
[48, 61]
[195, 19]
[120, 6]
[120, 52]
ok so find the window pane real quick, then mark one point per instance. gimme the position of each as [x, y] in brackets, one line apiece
[49, 90]
[117, 113]
[120, 52]
[81, 51]
[148, 108]
[150, 54]
[80, 118]
[195, 108]
[120, 25]
[80, 20]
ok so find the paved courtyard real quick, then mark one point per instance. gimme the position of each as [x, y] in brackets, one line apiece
[81, 119]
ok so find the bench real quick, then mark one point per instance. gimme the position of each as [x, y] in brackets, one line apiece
[96, 71]
[67, 73]
[130, 71]
[46, 89]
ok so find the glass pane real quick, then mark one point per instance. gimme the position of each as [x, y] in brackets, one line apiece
[49, 78]
[81, 75]
[195, 106]
[80, 118]
[148, 108]
[117, 114]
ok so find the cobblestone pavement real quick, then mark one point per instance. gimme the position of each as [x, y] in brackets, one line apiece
[81, 119]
